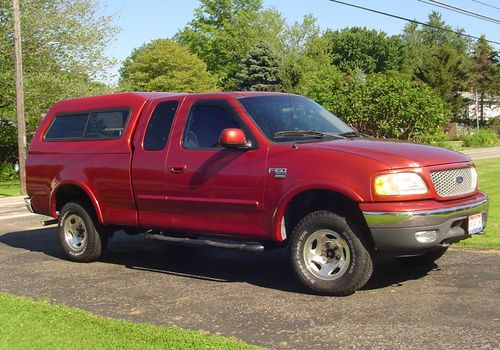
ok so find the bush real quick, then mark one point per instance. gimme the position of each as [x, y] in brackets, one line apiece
[482, 138]
[8, 142]
[380, 105]
[495, 121]
[7, 172]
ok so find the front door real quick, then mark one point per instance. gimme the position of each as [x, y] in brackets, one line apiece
[210, 188]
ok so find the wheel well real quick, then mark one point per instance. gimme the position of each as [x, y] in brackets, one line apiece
[72, 193]
[313, 200]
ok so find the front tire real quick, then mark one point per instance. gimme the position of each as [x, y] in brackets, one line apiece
[79, 234]
[328, 255]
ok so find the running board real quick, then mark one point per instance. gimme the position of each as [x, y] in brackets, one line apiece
[49, 222]
[247, 246]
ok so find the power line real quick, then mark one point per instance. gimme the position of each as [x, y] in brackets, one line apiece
[464, 12]
[460, 10]
[412, 21]
[485, 4]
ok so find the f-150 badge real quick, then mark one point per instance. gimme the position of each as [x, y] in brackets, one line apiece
[279, 173]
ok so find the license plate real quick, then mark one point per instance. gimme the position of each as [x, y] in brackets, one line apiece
[475, 223]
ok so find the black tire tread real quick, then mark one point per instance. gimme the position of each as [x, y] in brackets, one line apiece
[97, 240]
[365, 262]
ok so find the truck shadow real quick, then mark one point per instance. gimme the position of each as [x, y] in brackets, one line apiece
[268, 270]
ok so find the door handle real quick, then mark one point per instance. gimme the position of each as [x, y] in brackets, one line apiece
[177, 169]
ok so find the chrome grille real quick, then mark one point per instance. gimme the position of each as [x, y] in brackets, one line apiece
[453, 182]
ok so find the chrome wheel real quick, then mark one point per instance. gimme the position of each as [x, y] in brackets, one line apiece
[75, 232]
[326, 255]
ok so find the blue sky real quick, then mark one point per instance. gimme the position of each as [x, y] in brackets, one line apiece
[143, 21]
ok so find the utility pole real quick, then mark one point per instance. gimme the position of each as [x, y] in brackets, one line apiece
[21, 125]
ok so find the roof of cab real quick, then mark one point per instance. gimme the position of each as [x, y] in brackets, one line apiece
[136, 99]
[146, 96]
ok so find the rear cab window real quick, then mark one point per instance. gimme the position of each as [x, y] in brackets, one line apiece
[159, 126]
[91, 125]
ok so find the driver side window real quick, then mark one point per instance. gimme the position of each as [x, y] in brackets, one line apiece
[205, 124]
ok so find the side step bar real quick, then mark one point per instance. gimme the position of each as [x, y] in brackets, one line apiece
[49, 222]
[247, 246]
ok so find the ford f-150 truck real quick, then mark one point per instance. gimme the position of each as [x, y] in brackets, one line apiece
[251, 171]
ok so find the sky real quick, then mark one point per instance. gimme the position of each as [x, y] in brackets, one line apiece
[145, 20]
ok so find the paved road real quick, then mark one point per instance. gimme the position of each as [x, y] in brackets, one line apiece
[483, 153]
[451, 306]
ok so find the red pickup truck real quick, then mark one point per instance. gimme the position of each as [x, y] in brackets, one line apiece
[250, 171]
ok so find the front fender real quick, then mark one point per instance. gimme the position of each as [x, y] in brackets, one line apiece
[299, 188]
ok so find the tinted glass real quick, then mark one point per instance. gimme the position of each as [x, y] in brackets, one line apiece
[67, 126]
[106, 124]
[205, 125]
[291, 113]
[159, 126]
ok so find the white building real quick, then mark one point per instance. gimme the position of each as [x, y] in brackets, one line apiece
[491, 106]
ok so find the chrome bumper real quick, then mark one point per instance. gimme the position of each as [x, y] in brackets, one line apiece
[395, 231]
[424, 217]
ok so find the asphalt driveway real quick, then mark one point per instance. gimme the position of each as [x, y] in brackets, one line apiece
[454, 304]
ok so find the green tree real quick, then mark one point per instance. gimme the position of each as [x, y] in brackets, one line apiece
[440, 59]
[260, 69]
[163, 65]
[379, 104]
[365, 49]
[63, 45]
[486, 71]
[297, 39]
[204, 35]
[223, 41]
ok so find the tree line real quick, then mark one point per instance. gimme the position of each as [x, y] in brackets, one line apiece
[404, 86]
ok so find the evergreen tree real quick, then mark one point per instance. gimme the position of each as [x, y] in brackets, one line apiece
[259, 70]
[440, 59]
[486, 72]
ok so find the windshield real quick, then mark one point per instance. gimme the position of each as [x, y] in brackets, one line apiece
[288, 118]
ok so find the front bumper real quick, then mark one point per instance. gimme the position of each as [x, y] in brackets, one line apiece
[394, 231]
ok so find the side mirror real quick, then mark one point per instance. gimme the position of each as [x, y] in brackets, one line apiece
[233, 138]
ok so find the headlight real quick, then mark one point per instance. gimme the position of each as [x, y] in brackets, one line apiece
[473, 175]
[399, 184]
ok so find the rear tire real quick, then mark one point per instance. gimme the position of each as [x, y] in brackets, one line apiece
[329, 256]
[79, 235]
[424, 259]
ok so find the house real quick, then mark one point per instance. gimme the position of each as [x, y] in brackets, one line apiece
[491, 106]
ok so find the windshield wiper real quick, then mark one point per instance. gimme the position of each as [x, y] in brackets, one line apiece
[304, 133]
[352, 134]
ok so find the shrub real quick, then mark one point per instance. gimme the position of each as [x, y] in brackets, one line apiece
[482, 138]
[380, 105]
[8, 141]
[7, 172]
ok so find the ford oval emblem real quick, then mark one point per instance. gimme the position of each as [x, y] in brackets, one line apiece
[459, 179]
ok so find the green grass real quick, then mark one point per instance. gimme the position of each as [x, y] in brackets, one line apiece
[453, 145]
[489, 175]
[9, 188]
[28, 324]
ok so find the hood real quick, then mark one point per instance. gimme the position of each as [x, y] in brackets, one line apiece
[393, 153]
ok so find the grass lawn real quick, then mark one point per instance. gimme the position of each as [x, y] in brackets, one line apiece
[489, 182]
[28, 324]
[9, 188]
